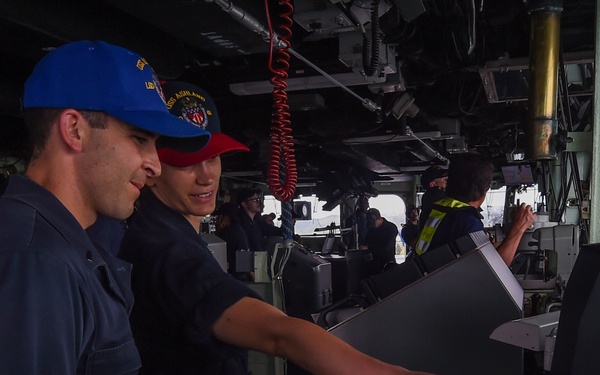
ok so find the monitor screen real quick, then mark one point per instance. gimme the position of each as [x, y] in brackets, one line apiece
[328, 244]
[518, 174]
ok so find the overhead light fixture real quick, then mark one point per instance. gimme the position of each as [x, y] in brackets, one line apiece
[389, 138]
[304, 83]
[306, 102]
[414, 168]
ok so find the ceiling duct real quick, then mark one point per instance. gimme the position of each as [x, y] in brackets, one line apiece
[306, 102]
[305, 83]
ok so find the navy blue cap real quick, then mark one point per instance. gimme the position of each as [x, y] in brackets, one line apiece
[432, 173]
[98, 76]
[193, 104]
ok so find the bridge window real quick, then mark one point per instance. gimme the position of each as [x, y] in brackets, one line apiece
[493, 205]
[391, 206]
[319, 218]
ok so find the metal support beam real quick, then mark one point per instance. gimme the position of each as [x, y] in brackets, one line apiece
[594, 177]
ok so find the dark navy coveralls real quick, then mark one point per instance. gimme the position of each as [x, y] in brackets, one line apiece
[180, 291]
[64, 303]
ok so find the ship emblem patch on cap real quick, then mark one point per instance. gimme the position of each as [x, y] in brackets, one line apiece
[194, 112]
[158, 87]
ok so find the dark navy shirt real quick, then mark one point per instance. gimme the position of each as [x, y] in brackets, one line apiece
[180, 292]
[381, 242]
[457, 223]
[410, 234]
[65, 302]
[361, 219]
[107, 232]
[236, 240]
[253, 232]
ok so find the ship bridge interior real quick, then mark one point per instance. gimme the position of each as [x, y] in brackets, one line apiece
[375, 91]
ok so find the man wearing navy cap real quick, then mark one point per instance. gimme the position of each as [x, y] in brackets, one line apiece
[434, 181]
[93, 112]
[190, 317]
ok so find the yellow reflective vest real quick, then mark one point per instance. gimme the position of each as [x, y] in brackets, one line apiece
[433, 221]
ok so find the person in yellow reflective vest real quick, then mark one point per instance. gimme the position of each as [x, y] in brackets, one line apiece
[469, 179]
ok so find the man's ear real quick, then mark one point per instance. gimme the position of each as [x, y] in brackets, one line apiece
[72, 128]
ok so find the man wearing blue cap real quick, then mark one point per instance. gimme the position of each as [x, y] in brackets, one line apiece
[190, 317]
[93, 112]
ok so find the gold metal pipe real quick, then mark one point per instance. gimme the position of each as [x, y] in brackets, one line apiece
[542, 123]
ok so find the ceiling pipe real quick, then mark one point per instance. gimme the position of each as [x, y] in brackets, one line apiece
[241, 16]
[542, 122]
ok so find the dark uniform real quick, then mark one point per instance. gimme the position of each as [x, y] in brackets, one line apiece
[236, 240]
[253, 232]
[449, 220]
[65, 302]
[381, 242]
[410, 233]
[180, 292]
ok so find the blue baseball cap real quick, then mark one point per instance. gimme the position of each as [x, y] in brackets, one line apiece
[98, 76]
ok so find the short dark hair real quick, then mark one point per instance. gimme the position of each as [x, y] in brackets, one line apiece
[245, 193]
[410, 207]
[469, 177]
[375, 214]
[39, 122]
[229, 209]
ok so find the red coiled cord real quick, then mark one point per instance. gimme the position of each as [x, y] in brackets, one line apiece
[282, 174]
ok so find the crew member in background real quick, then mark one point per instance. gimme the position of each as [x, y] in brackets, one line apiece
[250, 202]
[359, 222]
[267, 227]
[190, 317]
[93, 113]
[434, 181]
[269, 219]
[469, 179]
[228, 228]
[410, 230]
[380, 240]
